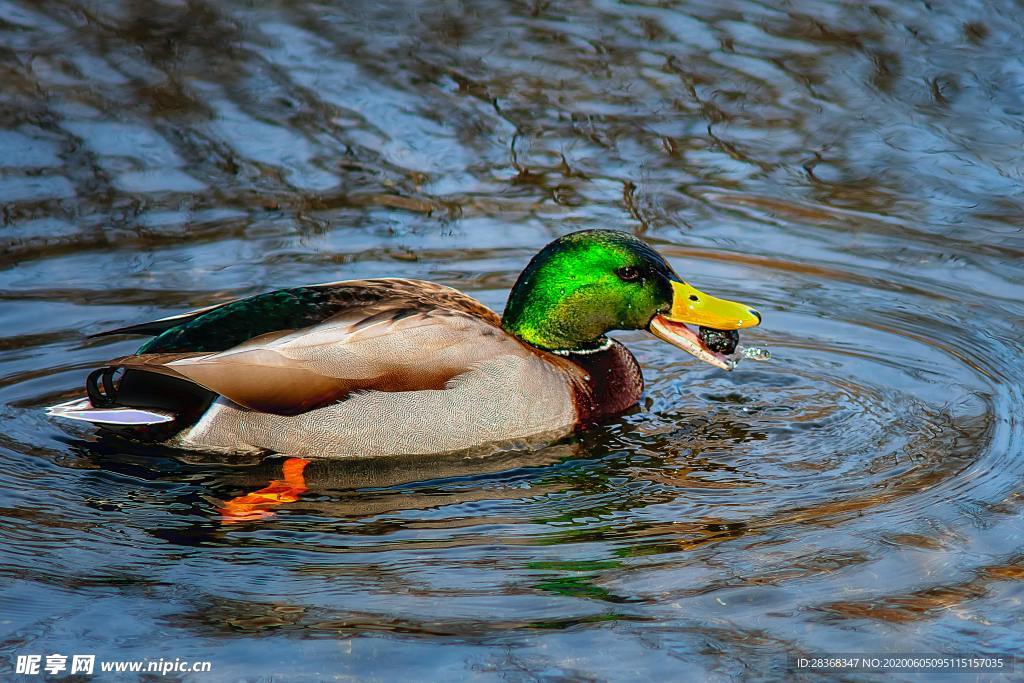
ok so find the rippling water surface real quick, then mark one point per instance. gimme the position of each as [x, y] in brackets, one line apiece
[853, 171]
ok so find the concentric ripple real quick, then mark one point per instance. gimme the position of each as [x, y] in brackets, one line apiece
[851, 171]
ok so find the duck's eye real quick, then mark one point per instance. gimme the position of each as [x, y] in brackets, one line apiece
[628, 273]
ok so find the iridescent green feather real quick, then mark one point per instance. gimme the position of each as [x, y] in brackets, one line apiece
[236, 322]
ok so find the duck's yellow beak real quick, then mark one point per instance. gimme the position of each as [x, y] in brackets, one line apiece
[690, 305]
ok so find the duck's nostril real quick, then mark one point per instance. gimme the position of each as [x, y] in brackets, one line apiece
[753, 312]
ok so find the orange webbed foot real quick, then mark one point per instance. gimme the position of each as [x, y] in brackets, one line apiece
[259, 504]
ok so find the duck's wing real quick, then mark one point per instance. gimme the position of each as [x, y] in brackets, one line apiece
[315, 345]
[225, 325]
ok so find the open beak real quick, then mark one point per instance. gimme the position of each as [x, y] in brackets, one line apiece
[692, 306]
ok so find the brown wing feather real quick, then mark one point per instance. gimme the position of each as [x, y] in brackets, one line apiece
[413, 336]
[156, 363]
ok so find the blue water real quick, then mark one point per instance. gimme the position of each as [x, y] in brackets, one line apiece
[853, 171]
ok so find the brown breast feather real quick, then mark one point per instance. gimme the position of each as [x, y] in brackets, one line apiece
[604, 384]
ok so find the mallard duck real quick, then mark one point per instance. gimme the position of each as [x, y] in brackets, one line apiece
[361, 368]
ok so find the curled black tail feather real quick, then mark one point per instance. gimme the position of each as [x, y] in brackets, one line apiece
[106, 398]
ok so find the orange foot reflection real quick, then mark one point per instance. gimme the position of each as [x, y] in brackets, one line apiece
[256, 505]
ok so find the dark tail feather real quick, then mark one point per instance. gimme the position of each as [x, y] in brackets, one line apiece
[118, 397]
[155, 327]
[151, 329]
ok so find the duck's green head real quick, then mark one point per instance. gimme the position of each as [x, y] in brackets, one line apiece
[587, 283]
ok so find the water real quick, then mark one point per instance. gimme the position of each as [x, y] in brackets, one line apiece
[852, 171]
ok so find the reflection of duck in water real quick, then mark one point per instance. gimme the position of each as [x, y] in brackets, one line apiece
[368, 487]
[391, 366]
[385, 478]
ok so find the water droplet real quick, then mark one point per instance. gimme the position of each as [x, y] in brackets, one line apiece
[757, 353]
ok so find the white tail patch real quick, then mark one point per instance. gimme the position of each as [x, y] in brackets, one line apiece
[81, 409]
